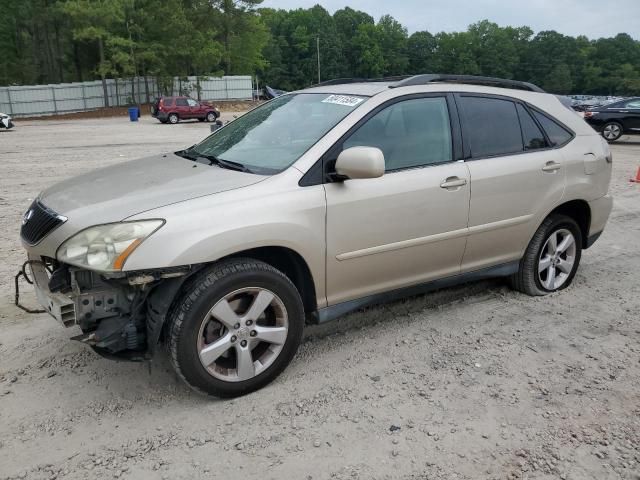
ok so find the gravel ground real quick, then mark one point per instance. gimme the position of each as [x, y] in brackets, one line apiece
[466, 383]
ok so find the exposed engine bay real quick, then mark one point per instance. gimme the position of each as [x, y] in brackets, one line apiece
[120, 314]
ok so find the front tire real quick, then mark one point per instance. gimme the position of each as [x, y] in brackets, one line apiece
[211, 117]
[236, 328]
[551, 259]
[612, 131]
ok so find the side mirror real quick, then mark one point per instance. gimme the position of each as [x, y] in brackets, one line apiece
[360, 162]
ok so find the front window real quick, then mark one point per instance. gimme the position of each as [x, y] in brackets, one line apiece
[272, 137]
[412, 133]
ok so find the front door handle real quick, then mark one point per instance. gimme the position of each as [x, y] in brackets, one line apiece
[551, 167]
[453, 182]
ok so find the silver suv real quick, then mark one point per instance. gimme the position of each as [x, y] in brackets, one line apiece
[317, 203]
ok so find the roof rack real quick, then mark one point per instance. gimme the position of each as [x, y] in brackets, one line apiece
[467, 79]
[343, 81]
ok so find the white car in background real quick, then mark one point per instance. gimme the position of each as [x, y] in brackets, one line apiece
[5, 121]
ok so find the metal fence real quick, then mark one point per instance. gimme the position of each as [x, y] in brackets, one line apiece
[41, 100]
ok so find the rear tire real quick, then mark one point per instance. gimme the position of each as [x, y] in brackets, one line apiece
[216, 345]
[551, 259]
[612, 131]
[173, 118]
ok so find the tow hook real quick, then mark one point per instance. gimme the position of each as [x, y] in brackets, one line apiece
[23, 273]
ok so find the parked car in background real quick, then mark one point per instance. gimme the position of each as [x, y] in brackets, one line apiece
[312, 205]
[174, 109]
[5, 121]
[616, 119]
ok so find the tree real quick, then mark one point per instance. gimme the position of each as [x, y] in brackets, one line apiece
[421, 51]
[241, 34]
[393, 44]
[47, 41]
[97, 21]
[367, 48]
[347, 21]
[558, 80]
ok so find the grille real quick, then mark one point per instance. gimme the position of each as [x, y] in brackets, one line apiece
[38, 222]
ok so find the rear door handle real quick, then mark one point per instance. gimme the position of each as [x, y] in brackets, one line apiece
[453, 182]
[551, 167]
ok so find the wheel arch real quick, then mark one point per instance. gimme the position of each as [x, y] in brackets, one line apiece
[292, 264]
[164, 298]
[579, 211]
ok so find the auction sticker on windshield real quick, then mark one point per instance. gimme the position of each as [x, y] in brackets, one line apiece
[345, 100]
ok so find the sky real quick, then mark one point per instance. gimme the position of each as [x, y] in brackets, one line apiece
[593, 18]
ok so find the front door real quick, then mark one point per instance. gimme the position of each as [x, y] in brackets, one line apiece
[408, 226]
[195, 110]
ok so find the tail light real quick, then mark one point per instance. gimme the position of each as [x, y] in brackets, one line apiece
[161, 104]
[588, 114]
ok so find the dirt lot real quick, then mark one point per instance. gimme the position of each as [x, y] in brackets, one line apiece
[467, 383]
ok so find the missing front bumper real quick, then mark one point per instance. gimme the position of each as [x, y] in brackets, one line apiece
[59, 306]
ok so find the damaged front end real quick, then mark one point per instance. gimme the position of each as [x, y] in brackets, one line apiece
[121, 314]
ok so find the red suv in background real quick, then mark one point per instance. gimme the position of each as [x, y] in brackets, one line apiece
[174, 109]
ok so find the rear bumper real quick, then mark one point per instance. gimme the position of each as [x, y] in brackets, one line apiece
[600, 211]
[160, 115]
[592, 239]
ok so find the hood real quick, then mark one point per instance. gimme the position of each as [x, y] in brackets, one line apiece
[114, 193]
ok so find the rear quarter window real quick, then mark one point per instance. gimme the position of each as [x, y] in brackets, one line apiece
[167, 101]
[531, 132]
[558, 135]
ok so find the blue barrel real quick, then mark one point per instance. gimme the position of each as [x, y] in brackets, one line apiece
[134, 113]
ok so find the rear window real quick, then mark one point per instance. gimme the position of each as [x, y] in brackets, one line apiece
[167, 101]
[556, 133]
[492, 126]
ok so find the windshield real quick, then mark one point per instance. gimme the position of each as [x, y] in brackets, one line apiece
[270, 138]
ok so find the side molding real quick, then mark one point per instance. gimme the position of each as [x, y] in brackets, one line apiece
[327, 314]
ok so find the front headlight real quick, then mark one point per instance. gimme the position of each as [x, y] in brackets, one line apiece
[106, 247]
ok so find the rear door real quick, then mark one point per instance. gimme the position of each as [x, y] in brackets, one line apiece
[631, 113]
[182, 107]
[517, 176]
[408, 226]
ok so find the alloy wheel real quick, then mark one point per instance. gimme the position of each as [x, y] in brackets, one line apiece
[557, 259]
[612, 131]
[243, 334]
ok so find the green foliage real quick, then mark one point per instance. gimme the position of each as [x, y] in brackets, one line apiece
[51, 41]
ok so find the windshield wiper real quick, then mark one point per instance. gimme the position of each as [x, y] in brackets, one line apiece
[213, 160]
[224, 163]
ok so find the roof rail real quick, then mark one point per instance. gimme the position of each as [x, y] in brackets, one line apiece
[342, 81]
[468, 79]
